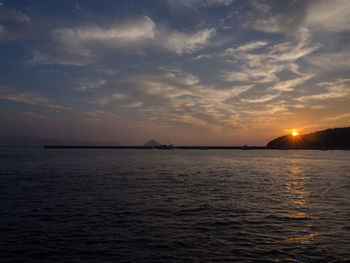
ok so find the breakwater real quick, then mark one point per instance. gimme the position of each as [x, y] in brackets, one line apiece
[163, 147]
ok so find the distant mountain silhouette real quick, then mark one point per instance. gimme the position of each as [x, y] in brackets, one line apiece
[338, 138]
[152, 143]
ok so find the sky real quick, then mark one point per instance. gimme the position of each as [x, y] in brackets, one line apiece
[192, 72]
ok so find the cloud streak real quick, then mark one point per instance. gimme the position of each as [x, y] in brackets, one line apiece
[194, 4]
[184, 43]
[83, 45]
[11, 94]
[333, 90]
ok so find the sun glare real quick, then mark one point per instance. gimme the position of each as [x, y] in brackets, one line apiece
[294, 133]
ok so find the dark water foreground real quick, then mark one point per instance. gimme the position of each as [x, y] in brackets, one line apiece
[174, 206]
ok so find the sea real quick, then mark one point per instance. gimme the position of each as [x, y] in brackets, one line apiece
[71, 205]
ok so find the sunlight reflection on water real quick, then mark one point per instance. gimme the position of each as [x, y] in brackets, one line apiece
[298, 193]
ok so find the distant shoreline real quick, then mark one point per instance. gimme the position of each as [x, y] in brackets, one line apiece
[185, 147]
[159, 147]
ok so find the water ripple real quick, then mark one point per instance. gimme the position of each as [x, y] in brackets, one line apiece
[174, 206]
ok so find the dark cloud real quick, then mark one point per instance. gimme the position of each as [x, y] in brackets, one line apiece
[13, 24]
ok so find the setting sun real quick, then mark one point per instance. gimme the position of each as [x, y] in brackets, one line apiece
[294, 133]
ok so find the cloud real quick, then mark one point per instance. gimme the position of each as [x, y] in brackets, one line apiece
[272, 70]
[128, 33]
[238, 90]
[330, 61]
[83, 45]
[184, 43]
[154, 88]
[263, 17]
[97, 114]
[337, 117]
[289, 84]
[135, 104]
[331, 16]
[34, 115]
[102, 101]
[194, 4]
[174, 98]
[249, 46]
[237, 76]
[13, 24]
[26, 97]
[88, 84]
[200, 56]
[331, 90]
[316, 15]
[259, 62]
[261, 98]
[7, 93]
[269, 24]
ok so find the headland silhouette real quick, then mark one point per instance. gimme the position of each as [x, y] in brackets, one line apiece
[330, 139]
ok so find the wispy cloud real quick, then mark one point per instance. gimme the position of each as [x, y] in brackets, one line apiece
[88, 84]
[321, 15]
[247, 47]
[175, 97]
[262, 64]
[184, 43]
[337, 117]
[97, 114]
[288, 85]
[333, 90]
[82, 45]
[194, 4]
[34, 115]
[12, 94]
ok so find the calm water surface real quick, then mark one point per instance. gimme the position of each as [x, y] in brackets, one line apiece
[174, 206]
